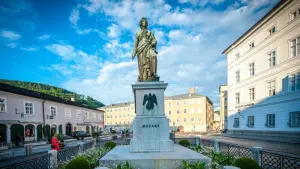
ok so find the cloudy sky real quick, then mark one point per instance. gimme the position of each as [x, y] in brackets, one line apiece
[85, 46]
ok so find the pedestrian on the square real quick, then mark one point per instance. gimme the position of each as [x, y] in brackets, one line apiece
[54, 143]
[17, 139]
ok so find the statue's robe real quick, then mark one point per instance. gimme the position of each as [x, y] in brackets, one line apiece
[147, 55]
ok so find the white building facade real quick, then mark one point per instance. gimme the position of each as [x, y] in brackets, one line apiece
[35, 116]
[264, 74]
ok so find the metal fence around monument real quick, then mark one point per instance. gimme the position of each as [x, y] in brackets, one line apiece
[30, 162]
[67, 153]
[277, 161]
[235, 150]
[268, 160]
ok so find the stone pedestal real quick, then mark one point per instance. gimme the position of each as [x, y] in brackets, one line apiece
[150, 126]
[152, 160]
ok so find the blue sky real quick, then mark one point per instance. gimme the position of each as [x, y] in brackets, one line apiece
[85, 46]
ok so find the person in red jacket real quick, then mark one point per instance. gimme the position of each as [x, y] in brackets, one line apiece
[54, 143]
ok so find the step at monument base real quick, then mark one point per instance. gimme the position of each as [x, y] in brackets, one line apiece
[152, 160]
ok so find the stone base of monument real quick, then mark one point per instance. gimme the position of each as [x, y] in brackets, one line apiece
[152, 160]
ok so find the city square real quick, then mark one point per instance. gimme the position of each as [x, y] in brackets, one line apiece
[187, 84]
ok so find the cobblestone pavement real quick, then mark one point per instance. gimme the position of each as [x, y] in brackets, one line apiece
[277, 147]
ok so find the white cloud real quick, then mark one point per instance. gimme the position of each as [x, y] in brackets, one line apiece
[29, 49]
[74, 17]
[118, 49]
[113, 31]
[44, 37]
[84, 31]
[62, 69]
[10, 35]
[67, 52]
[11, 45]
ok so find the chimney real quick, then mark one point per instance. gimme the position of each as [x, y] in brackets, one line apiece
[192, 90]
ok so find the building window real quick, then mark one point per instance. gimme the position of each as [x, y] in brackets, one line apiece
[270, 120]
[199, 101]
[184, 111]
[252, 94]
[94, 115]
[192, 110]
[78, 114]
[236, 122]
[170, 112]
[237, 76]
[251, 45]
[67, 113]
[225, 107]
[272, 59]
[251, 69]
[110, 116]
[29, 108]
[170, 104]
[271, 88]
[225, 99]
[192, 119]
[237, 98]
[250, 121]
[53, 110]
[178, 111]
[3, 104]
[295, 47]
[177, 103]
[294, 119]
[87, 115]
[199, 110]
[199, 119]
[294, 82]
[178, 120]
[293, 15]
[272, 30]
[184, 102]
[237, 56]
[184, 119]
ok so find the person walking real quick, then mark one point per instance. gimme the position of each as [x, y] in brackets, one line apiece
[54, 143]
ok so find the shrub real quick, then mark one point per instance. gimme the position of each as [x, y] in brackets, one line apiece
[125, 166]
[110, 145]
[78, 163]
[192, 165]
[95, 134]
[246, 163]
[185, 143]
[113, 131]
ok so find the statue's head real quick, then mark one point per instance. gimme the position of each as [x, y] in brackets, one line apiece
[143, 22]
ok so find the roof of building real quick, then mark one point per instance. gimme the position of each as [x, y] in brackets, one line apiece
[118, 105]
[30, 93]
[282, 2]
[186, 96]
[175, 97]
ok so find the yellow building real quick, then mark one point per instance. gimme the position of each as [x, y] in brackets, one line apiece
[223, 106]
[189, 112]
[118, 116]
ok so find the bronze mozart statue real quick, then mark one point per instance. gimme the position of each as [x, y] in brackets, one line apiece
[145, 50]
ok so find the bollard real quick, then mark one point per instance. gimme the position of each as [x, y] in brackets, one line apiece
[256, 154]
[81, 147]
[198, 141]
[216, 145]
[28, 149]
[53, 159]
